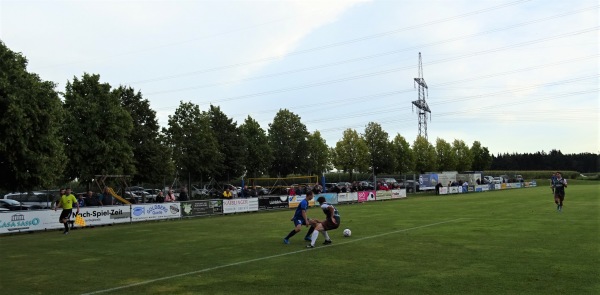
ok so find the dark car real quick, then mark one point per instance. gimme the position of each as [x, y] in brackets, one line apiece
[411, 186]
[13, 205]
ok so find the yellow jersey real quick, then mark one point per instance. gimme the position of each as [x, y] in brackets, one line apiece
[67, 201]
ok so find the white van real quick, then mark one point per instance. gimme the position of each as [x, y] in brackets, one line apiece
[37, 200]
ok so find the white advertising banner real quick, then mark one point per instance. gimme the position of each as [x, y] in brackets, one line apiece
[347, 197]
[383, 195]
[443, 190]
[240, 205]
[398, 193]
[18, 221]
[253, 204]
[103, 215]
[154, 211]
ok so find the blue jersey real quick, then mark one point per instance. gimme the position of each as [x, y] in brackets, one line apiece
[303, 206]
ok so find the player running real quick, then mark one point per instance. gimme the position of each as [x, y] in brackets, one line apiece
[332, 222]
[558, 185]
[300, 217]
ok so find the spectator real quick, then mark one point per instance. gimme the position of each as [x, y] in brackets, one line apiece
[90, 199]
[245, 192]
[81, 200]
[437, 188]
[227, 193]
[183, 194]
[478, 181]
[170, 196]
[159, 197]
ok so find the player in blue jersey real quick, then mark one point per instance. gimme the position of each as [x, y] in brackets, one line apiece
[558, 186]
[300, 218]
[331, 222]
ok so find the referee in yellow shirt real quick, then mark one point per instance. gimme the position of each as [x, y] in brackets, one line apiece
[66, 202]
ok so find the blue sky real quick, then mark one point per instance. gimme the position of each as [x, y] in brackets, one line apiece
[518, 76]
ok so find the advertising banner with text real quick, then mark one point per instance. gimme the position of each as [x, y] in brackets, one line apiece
[347, 197]
[104, 215]
[294, 201]
[365, 196]
[240, 205]
[155, 211]
[330, 198]
[196, 208]
[272, 202]
[383, 195]
[398, 193]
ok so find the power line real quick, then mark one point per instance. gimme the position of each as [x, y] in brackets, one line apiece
[349, 60]
[407, 119]
[339, 80]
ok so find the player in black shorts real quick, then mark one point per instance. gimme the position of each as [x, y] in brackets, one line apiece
[331, 222]
[559, 184]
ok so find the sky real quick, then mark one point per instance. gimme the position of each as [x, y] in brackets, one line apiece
[519, 76]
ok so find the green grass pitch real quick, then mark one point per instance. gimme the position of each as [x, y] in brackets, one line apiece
[502, 242]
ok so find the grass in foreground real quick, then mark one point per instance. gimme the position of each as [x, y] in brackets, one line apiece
[506, 242]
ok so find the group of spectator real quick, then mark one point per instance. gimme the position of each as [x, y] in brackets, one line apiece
[105, 197]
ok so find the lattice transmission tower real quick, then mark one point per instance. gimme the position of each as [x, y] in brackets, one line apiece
[421, 104]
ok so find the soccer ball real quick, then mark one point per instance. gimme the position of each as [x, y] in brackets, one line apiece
[347, 232]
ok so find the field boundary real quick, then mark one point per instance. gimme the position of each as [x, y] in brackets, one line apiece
[271, 256]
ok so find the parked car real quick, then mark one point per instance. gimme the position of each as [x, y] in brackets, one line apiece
[13, 205]
[36, 200]
[344, 186]
[411, 186]
[488, 179]
[261, 191]
[366, 185]
[152, 193]
[130, 196]
[206, 191]
[497, 180]
[390, 181]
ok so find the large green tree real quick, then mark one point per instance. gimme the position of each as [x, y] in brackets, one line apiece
[96, 130]
[31, 151]
[351, 153]
[424, 155]
[288, 141]
[232, 145]
[462, 154]
[482, 160]
[194, 146]
[259, 155]
[379, 149]
[405, 158]
[152, 158]
[318, 160]
[446, 159]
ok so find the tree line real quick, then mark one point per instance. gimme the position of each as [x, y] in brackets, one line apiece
[50, 138]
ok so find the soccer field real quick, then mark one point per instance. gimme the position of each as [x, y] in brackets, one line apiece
[498, 242]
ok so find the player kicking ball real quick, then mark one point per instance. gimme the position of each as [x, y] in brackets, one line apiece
[331, 222]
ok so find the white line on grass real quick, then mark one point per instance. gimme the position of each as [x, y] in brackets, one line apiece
[267, 257]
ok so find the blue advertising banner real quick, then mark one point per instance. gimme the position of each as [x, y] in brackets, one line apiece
[428, 181]
[331, 198]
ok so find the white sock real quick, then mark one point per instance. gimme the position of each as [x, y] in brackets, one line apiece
[314, 237]
[326, 235]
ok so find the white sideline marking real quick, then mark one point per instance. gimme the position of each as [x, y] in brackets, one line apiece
[268, 257]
